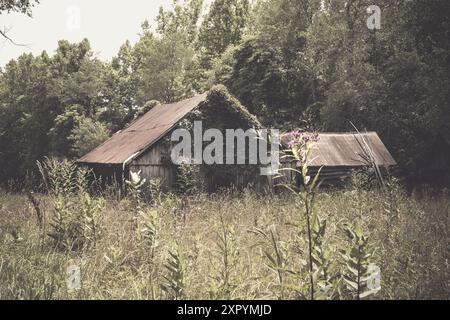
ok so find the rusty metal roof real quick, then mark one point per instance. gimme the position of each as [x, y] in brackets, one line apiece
[349, 149]
[142, 133]
[332, 149]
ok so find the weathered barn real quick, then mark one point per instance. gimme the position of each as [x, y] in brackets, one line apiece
[339, 154]
[145, 144]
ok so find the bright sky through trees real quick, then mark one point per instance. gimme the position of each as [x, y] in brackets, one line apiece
[107, 24]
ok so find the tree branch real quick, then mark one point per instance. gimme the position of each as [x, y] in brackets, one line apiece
[4, 34]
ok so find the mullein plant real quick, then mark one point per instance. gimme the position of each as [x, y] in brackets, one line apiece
[300, 146]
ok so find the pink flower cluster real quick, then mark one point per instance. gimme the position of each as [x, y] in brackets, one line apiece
[299, 139]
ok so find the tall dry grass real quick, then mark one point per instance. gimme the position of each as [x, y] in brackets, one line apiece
[206, 247]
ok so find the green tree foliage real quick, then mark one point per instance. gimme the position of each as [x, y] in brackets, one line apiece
[42, 99]
[87, 135]
[316, 65]
[120, 89]
[63, 125]
[162, 73]
[149, 105]
[258, 77]
[182, 18]
[26, 113]
[223, 26]
[307, 64]
[266, 70]
[166, 64]
[390, 80]
[23, 6]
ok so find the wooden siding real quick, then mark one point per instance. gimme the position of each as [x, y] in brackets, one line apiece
[152, 166]
[335, 175]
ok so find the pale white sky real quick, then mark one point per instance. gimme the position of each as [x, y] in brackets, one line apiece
[106, 23]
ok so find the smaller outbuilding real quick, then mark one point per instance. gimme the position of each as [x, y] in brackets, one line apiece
[340, 154]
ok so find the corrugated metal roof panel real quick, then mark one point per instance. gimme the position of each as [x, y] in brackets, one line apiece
[345, 149]
[142, 133]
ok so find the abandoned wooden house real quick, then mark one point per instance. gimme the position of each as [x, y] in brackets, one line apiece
[145, 146]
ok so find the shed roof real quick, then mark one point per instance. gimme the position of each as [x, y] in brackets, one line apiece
[349, 150]
[142, 133]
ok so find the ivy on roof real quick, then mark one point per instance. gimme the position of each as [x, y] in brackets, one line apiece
[219, 94]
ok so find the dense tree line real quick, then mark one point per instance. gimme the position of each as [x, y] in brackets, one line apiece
[310, 64]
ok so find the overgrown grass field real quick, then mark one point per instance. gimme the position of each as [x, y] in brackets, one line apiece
[224, 246]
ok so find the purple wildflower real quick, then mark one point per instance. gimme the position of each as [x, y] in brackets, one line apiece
[298, 139]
